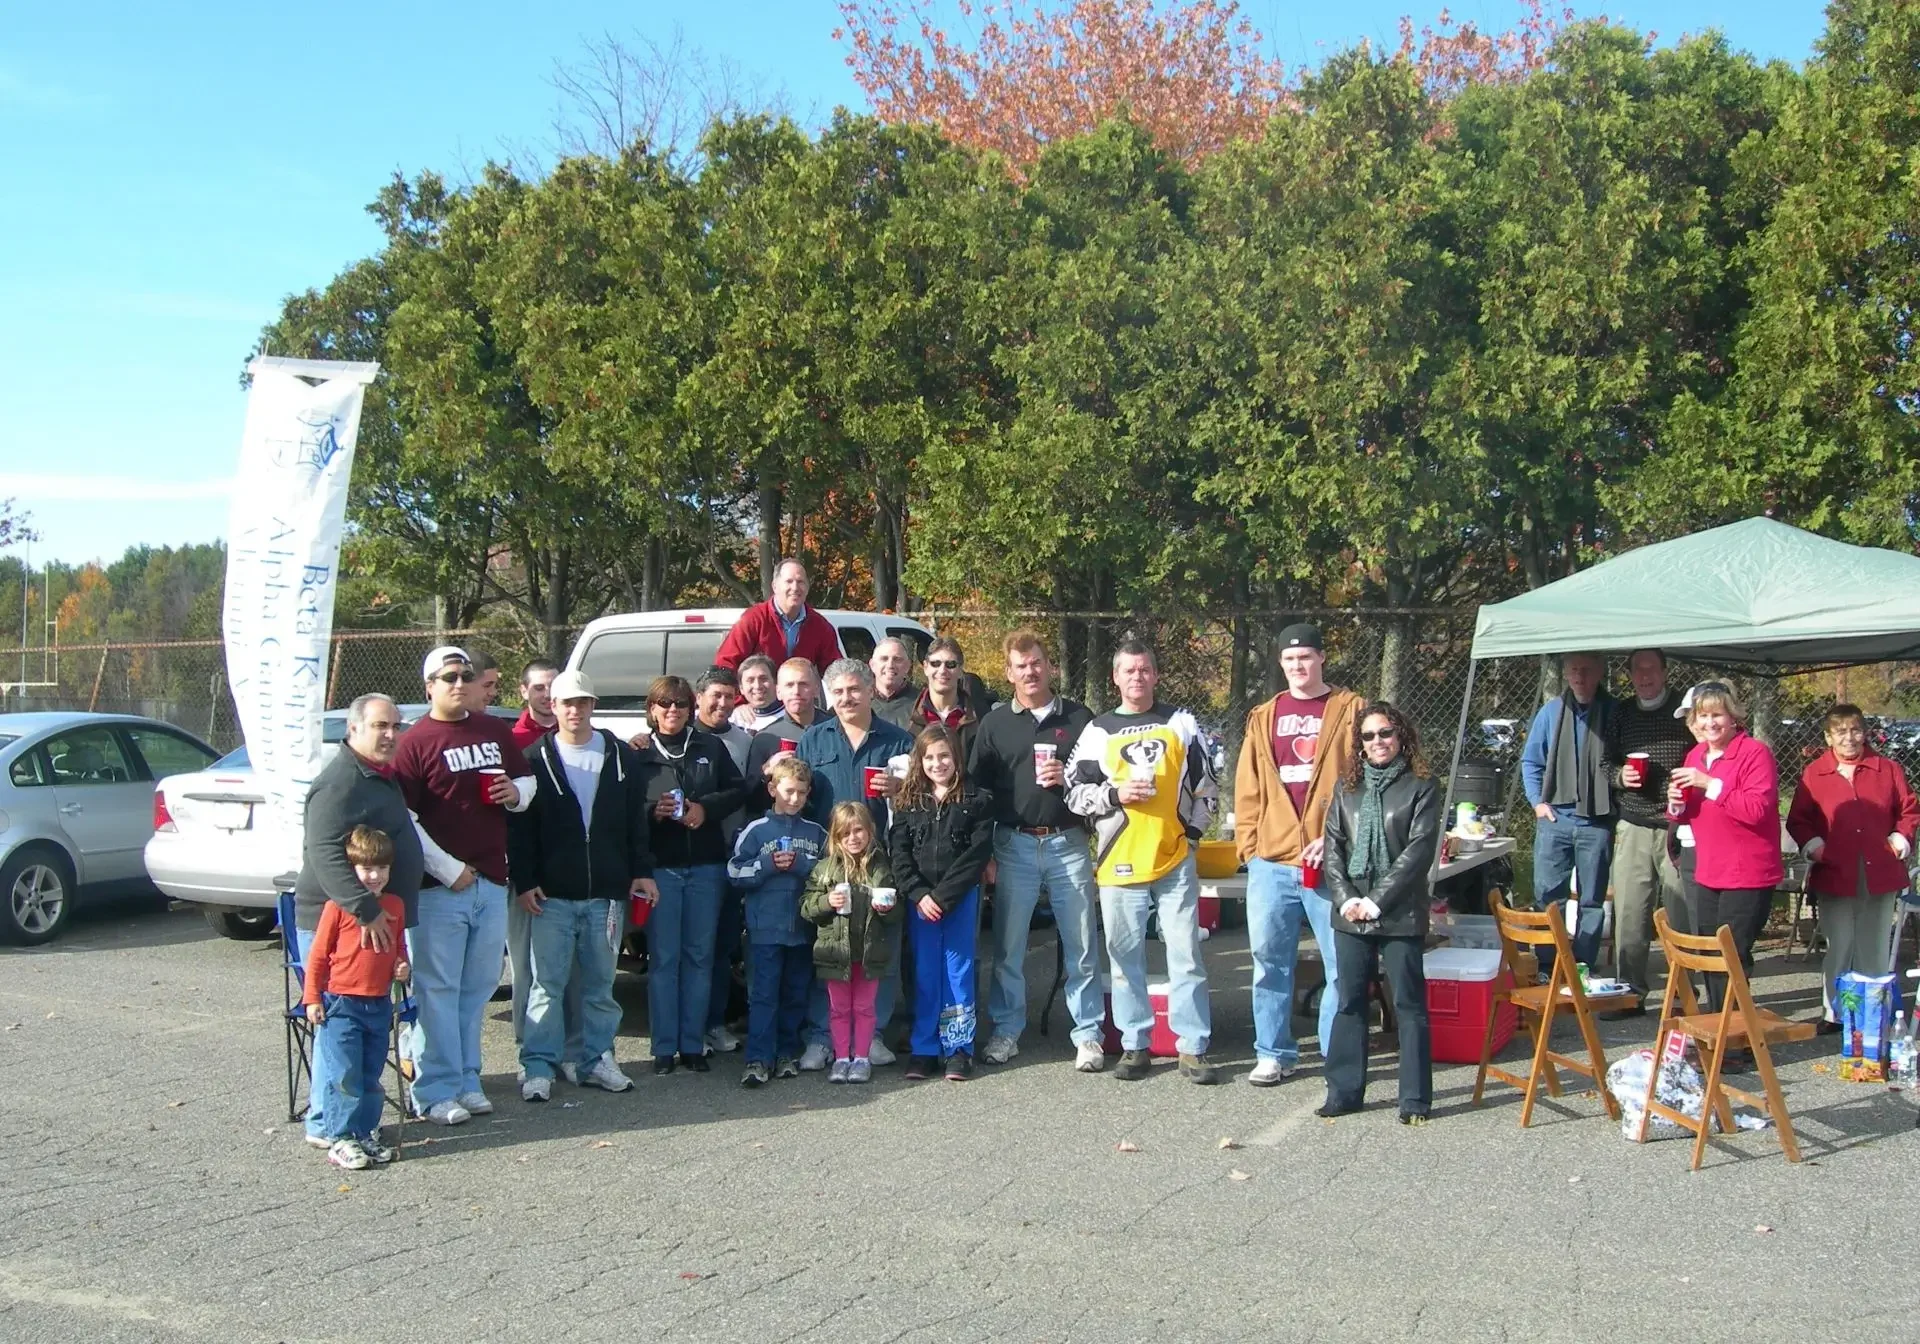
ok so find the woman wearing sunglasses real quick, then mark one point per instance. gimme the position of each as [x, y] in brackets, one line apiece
[1381, 833]
[695, 787]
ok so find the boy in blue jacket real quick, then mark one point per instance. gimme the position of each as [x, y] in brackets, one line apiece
[771, 861]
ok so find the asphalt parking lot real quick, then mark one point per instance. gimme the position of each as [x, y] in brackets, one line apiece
[154, 1191]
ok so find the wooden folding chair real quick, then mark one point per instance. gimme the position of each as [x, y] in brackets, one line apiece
[1739, 1023]
[1521, 930]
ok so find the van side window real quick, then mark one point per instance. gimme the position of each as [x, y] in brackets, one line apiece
[856, 641]
[917, 641]
[623, 664]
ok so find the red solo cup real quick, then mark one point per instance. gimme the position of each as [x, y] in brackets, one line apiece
[1310, 876]
[639, 910]
[487, 775]
[873, 774]
[788, 744]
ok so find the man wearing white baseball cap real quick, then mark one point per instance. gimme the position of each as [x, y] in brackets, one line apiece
[460, 772]
[578, 853]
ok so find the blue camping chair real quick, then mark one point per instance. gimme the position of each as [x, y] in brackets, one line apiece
[401, 1056]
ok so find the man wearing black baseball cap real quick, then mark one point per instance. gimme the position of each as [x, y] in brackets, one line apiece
[1295, 748]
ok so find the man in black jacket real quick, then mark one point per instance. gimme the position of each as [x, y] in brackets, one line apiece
[355, 788]
[577, 853]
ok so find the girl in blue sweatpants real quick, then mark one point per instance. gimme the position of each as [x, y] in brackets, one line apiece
[940, 841]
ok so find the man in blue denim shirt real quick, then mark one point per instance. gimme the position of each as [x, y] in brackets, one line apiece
[840, 750]
[1563, 768]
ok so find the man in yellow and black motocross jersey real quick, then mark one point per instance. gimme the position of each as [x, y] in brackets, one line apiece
[1146, 775]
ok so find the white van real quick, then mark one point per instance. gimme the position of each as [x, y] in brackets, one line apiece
[623, 654]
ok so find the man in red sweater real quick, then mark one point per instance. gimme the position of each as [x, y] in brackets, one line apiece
[783, 626]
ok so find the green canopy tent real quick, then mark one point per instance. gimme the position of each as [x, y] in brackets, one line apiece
[1755, 596]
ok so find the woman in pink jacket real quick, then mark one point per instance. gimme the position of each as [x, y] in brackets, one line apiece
[1729, 793]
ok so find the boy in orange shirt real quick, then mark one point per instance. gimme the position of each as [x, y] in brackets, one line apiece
[348, 1000]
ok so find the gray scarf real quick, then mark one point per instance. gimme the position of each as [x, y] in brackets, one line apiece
[1578, 767]
[1370, 860]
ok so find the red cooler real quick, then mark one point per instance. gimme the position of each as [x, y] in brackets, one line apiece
[1460, 984]
[1160, 1043]
[1209, 908]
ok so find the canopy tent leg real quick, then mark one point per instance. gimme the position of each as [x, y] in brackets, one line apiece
[1459, 742]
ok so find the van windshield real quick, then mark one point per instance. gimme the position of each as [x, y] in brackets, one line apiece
[622, 665]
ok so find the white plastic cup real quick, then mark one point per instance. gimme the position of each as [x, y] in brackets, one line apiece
[1043, 752]
[1141, 773]
[883, 898]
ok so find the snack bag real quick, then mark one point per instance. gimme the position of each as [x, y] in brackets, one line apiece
[1866, 1004]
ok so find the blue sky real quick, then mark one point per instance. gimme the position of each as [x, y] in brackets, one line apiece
[177, 170]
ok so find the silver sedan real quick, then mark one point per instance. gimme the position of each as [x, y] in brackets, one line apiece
[76, 809]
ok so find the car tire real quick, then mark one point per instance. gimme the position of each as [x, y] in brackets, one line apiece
[36, 895]
[245, 926]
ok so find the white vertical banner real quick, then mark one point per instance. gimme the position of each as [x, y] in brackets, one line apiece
[283, 549]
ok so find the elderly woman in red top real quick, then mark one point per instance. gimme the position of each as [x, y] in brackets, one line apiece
[1853, 816]
[1729, 792]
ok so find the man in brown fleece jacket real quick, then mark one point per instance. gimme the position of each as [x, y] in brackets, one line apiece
[1291, 759]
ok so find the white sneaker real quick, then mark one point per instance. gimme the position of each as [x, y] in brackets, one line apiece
[476, 1103]
[721, 1041]
[879, 1056]
[1088, 1057]
[570, 1073]
[537, 1089]
[1000, 1049]
[320, 1141]
[348, 1155]
[815, 1058]
[838, 1073]
[448, 1112]
[1271, 1073]
[605, 1074]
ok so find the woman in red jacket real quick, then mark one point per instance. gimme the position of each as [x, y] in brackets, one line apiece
[1853, 816]
[1729, 792]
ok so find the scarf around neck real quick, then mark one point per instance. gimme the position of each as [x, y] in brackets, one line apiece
[1370, 859]
[1579, 770]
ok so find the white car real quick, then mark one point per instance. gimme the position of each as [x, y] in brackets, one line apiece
[214, 844]
[624, 653]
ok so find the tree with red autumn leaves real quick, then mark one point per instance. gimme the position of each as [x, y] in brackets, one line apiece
[1193, 76]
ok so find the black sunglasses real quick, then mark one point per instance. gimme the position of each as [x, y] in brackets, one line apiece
[673, 704]
[1380, 735]
[941, 663]
[451, 677]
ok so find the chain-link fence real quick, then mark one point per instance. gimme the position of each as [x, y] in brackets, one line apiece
[1217, 664]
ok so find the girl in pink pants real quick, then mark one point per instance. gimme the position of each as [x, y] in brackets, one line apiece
[851, 898]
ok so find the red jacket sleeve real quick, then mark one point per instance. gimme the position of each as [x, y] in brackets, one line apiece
[320, 957]
[1752, 791]
[744, 640]
[1906, 808]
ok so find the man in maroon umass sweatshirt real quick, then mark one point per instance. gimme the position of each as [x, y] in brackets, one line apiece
[783, 626]
[460, 772]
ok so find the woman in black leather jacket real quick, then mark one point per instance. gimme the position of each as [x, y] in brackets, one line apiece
[1381, 834]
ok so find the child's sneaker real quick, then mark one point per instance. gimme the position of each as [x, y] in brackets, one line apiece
[756, 1074]
[838, 1073]
[348, 1155]
[377, 1152]
[785, 1067]
[860, 1071]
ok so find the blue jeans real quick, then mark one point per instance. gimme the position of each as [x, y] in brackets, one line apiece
[1277, 901]
[519, 935]
[1062, 865]
[1570, 846]
[456, 948]
[353, 1042]
[572, 947]
[779, 976]
[944, 1011]
[1125, 911]
[729, 934]
[320, 1067]
[680, 936]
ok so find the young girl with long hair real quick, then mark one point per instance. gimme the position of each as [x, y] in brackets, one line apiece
[851, 897]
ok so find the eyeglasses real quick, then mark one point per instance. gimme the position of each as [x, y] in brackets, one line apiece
[942, 664]
[451, 677]
[1380, 735]
[673, 704]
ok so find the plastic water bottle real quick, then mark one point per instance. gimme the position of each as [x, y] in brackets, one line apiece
[1901, 1061]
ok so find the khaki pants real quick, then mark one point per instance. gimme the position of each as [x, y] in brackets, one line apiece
[1859, 934]
[1642, 875]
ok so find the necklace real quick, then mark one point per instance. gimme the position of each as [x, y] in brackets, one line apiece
[660, 743]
